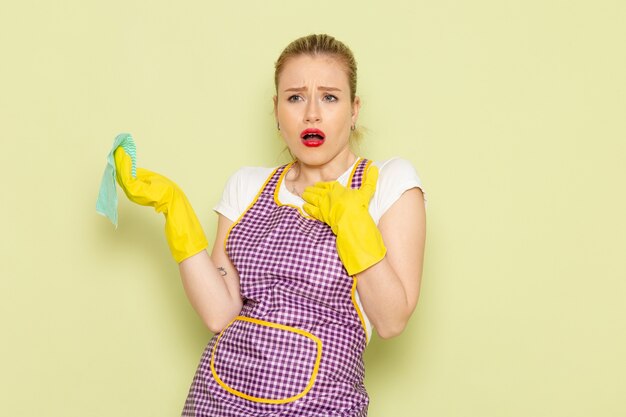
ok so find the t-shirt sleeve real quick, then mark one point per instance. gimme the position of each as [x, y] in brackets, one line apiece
[240, 190]
[396, 176]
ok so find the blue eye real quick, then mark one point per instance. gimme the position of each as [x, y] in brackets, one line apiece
[294, 98]
[330, 97]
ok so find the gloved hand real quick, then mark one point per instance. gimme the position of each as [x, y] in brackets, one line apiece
[359, 242]
[182, 228]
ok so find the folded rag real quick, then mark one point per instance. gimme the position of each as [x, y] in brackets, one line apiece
[107, 196]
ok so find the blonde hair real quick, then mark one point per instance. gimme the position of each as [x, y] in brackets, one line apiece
[322, 44]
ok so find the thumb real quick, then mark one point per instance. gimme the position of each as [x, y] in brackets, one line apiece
[123, 166]
[312, 211]
[368, 187]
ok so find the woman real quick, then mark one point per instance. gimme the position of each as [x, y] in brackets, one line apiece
[280, 289]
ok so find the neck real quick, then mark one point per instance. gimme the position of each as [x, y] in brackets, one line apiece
[302, 175]
[310, 174]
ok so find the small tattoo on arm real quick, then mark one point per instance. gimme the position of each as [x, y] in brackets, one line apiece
[222, 271]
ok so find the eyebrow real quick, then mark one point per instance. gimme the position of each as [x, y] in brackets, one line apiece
[319, 88]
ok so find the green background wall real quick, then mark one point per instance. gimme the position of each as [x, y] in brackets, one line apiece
[513, 113]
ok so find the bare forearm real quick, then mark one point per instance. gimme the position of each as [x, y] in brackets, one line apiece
[389, 290]
[384, 299]
[208, 291]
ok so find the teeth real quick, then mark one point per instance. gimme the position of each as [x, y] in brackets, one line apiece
[312, 136]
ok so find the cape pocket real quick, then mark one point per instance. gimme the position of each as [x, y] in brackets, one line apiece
[265, 362]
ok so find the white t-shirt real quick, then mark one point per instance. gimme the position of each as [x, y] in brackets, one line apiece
[395, 176]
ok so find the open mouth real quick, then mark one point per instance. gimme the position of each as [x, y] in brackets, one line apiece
[312, 137]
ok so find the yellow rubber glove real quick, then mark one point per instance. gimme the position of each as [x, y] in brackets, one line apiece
[182, 228]
[359, 242]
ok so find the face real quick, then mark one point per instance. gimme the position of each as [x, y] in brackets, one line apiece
[314, 110]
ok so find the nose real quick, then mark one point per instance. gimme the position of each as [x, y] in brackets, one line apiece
[312, 112]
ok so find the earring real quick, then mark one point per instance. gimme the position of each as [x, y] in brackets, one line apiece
[277, 125]
[353, 127]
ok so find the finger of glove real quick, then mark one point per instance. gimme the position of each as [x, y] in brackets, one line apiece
[312, 195]
[152, 189]
[321, 188]
[322, 199]
[132, 187]
[327, 190]
[123, 166]
[325, 185]
[148, 188]
[313, 211]
[368, 187]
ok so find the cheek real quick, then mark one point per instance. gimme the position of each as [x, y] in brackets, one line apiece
[340, 118]
[287, 114]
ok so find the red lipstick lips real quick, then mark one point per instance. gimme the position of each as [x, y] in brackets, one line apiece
[312, 137]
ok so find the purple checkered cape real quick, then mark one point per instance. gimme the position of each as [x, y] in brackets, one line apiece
[296, 348]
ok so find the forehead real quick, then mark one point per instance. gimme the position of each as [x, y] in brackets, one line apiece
[304, 70]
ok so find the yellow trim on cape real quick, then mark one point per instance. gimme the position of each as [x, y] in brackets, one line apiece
[276, 190]
[251, 204]
[358, 310]
[280, 327]
[354, 301]
[356, 165]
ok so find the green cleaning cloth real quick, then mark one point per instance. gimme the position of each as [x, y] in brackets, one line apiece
[107, 196]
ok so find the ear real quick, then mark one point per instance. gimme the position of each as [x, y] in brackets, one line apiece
[356, 106]
[275, 99]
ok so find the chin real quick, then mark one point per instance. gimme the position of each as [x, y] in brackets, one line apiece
[312, 158]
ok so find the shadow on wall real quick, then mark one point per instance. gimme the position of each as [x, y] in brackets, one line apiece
[386, 359]
[140, 239]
